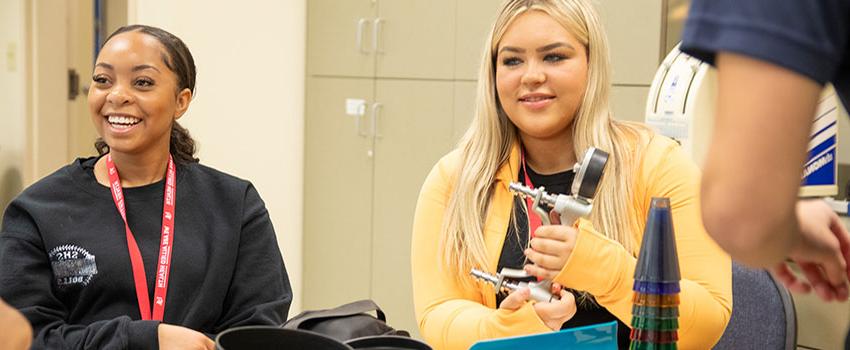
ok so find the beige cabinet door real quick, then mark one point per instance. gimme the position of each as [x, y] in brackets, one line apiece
[46, 78]
[474, 21]
[337, 194]
[415, 39]
[339, 38]
[634, 35]
[414, 132]
[81, 133]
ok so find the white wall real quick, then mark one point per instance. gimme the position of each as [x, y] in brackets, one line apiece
[248, 112]
[12, 98]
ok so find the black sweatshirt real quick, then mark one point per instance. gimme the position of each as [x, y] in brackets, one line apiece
[64, 260]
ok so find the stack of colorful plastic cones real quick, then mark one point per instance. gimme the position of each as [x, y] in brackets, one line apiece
[655, 314]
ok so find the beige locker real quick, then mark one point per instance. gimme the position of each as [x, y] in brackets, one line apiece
[474, 21]
[414, 132]
[415, 39]
[361, 185]
[389, 39]
[363, 174]
[337, 194]
[340, 37]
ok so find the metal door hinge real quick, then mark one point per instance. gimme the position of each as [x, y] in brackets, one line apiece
[73, 84]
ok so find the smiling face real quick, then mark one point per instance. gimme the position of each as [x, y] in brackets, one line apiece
[541, 75]
[134, 98]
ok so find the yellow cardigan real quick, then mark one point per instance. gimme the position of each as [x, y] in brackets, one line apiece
[451, 317]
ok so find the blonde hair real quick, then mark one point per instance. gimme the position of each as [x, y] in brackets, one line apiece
[487, 144]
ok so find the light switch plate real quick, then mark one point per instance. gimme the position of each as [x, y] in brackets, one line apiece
[355, 107]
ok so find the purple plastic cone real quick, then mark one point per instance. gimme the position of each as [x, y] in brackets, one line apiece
[658, 260]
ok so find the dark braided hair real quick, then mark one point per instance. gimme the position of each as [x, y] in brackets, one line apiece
[180, 61]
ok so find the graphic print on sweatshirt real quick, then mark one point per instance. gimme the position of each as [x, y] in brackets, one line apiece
[72, 265]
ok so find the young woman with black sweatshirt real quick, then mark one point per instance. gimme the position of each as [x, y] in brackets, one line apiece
[141, 247]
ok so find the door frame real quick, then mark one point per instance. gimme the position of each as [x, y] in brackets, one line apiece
[46, 84]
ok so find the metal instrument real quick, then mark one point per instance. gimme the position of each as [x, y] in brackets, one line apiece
[540, 291]
[569, 208]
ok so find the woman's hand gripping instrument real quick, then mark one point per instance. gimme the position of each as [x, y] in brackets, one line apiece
[569, 208]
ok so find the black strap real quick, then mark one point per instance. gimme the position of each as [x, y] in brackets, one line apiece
[350, 309]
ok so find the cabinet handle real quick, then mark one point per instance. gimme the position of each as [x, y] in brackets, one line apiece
[376, 35]
[361, 25]
[376, 108]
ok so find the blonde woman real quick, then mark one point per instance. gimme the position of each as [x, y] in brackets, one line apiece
[542, 100]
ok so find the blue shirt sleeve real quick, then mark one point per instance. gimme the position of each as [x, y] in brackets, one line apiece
[805, 36]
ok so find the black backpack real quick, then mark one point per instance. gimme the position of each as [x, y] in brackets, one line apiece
[348, 327]
[346, 322]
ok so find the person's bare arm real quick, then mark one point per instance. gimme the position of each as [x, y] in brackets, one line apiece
[752, 172]
[752, 175]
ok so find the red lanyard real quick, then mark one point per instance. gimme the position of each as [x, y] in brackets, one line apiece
[534, 221]
[165, 247]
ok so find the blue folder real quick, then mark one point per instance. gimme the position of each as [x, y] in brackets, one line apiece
[601, 336]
